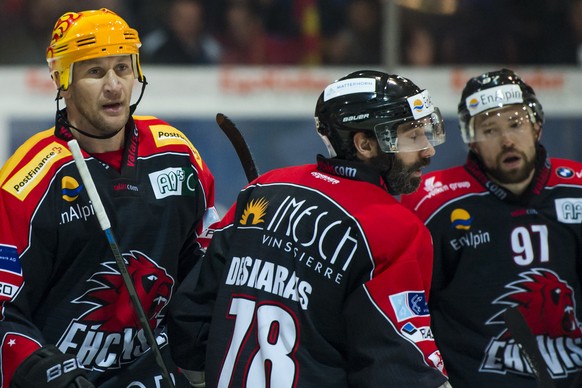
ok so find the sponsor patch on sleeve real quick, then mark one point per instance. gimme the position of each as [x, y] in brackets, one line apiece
[10, 272]
[409, 304]
[29, 176]
[417, 334]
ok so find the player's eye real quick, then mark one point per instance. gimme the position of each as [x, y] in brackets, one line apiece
[95, 71]
[490, 131]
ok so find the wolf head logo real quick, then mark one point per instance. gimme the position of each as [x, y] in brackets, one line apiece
[114, 310]
[546, 302]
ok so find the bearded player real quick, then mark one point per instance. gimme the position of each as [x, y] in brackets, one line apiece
[507, 230]
[317, 276]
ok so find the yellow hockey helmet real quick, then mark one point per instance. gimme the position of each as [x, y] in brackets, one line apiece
[78, 36]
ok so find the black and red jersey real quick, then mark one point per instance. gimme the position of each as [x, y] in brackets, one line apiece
[59, 283]
[316, 277]
[494, 250]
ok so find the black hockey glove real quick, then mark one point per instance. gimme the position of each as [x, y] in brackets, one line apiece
[48, 367]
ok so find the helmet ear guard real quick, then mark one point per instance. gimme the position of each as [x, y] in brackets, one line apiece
[324, 134]
[86, 35]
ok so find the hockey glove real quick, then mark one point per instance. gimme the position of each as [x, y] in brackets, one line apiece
[48, 367]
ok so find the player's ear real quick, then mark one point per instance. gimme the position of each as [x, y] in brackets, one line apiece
[366, 146]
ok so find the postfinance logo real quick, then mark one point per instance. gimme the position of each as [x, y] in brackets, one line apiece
[70, 188]
[32, 173]
[168, 135]
[461, 219]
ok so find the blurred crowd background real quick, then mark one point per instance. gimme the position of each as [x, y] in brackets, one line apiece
[319, 32]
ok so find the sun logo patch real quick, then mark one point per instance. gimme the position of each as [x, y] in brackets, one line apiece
[473, 102]
[254, 212]
[461, 219]
[418, 105]
[70, 188]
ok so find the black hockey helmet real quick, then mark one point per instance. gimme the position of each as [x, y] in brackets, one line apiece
[379, 103]
[494, 90]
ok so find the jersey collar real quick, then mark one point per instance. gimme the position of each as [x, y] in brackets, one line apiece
[351, 170]
[130, 151]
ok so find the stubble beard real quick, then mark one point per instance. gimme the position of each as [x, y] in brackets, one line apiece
[513, 176]
[101, 124]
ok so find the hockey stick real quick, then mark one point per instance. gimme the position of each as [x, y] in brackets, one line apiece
[240, 146]
[106, 226]
[527, 343]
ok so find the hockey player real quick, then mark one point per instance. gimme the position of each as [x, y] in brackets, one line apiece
[317, 276]
[66, 318]
[507, 231]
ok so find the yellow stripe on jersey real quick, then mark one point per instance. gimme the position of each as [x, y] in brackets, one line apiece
[167, 135]
[20, 153]
[32, 173]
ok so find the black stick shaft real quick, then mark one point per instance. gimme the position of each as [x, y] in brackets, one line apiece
[240, 146]
[106, 227]
[527, 342]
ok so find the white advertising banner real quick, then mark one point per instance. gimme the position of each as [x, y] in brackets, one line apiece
[264, 92]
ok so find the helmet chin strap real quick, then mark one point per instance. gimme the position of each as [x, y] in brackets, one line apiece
[62, 117]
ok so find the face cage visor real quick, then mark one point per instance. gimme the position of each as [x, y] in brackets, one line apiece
[513, 119]
[411, 135]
